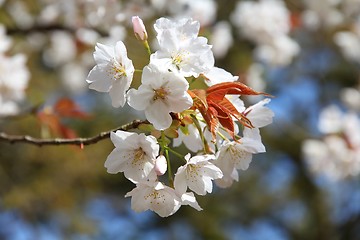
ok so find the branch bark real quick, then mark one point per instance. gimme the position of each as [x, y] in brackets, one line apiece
[61, 141]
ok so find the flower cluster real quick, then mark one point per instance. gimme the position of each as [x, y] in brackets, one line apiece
[14, 77]
[337, 155]
[213, 122]
[267, 24]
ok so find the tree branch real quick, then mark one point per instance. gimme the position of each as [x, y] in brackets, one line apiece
[61, 141]
[48, 28]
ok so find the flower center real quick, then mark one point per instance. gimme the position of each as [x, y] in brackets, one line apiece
[117, 70]
[237, 154]
[193, 171]
[178, 58]
[160, 93]
[155, 197]
[139, 155]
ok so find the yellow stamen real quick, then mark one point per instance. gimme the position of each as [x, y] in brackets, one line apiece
[160, 94]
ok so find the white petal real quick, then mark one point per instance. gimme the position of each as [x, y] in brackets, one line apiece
[160, 165]
[227, 180]
[140, 99]
[166, 202]
[218, 75]
[120, 52]
[180, 180]
[197, 184]
[212, 171]
[138, 203]
[259, 115]
[99, 79]
[244, 162]
[179, 103]
[119, 136]
[117, 92]
[103, 53]
[158, 115]
[114, 162]
[189, 199]
[208, 185]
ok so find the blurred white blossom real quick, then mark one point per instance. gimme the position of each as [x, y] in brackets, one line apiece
[267, 23]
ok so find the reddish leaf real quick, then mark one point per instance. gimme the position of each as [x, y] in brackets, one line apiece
[199, 97]
[216, 109]
[66, 107]
[217, 92]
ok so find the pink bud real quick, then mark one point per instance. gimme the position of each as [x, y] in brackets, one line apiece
[139, 28]
[160, 165]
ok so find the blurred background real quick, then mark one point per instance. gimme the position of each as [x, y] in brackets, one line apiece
[306, 186]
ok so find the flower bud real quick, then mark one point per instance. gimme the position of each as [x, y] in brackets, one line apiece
[160, 165]
[139, 28]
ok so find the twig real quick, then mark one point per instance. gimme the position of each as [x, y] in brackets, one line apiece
[61, 141]
[48, 28]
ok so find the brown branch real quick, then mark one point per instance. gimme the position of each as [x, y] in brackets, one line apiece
[48, 28]
[61, 141]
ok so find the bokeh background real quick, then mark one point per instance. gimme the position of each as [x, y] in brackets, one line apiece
[305, 53]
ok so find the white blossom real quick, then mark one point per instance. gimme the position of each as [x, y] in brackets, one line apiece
[203, 11]
[113, 72]
[351, 98]
[330, 119]
[197, 174]
[160, 93]
[5, 41]
[279, 51]
[331, 157]
[192, 140]
[139, 28]
[258, 114]
[14, 78]
[189, 199]
[267, 23]
[218, 75]
[156, 197]
[322, 13]
[349, 43]
[134, 154]
[62, 49]
[160, 165]
[263, 20]
[234, 155]
[221, 39]
[180, 48]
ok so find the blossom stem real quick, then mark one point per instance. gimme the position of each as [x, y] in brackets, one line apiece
[138, 70]
[222, 136]
[176, 153]
[165, 149]
[147, 47]
[203, 140]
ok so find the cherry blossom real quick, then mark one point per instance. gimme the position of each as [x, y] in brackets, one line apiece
[160, 165]
[160, 93]
[139, 28]
[134, 154]
[14, 78]
[4, 40]
[197, 174]
[191, 139]
[180, 48]
[154, 196]
[267, 23]
[113, 72]
[218, 75]
[234, 155]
